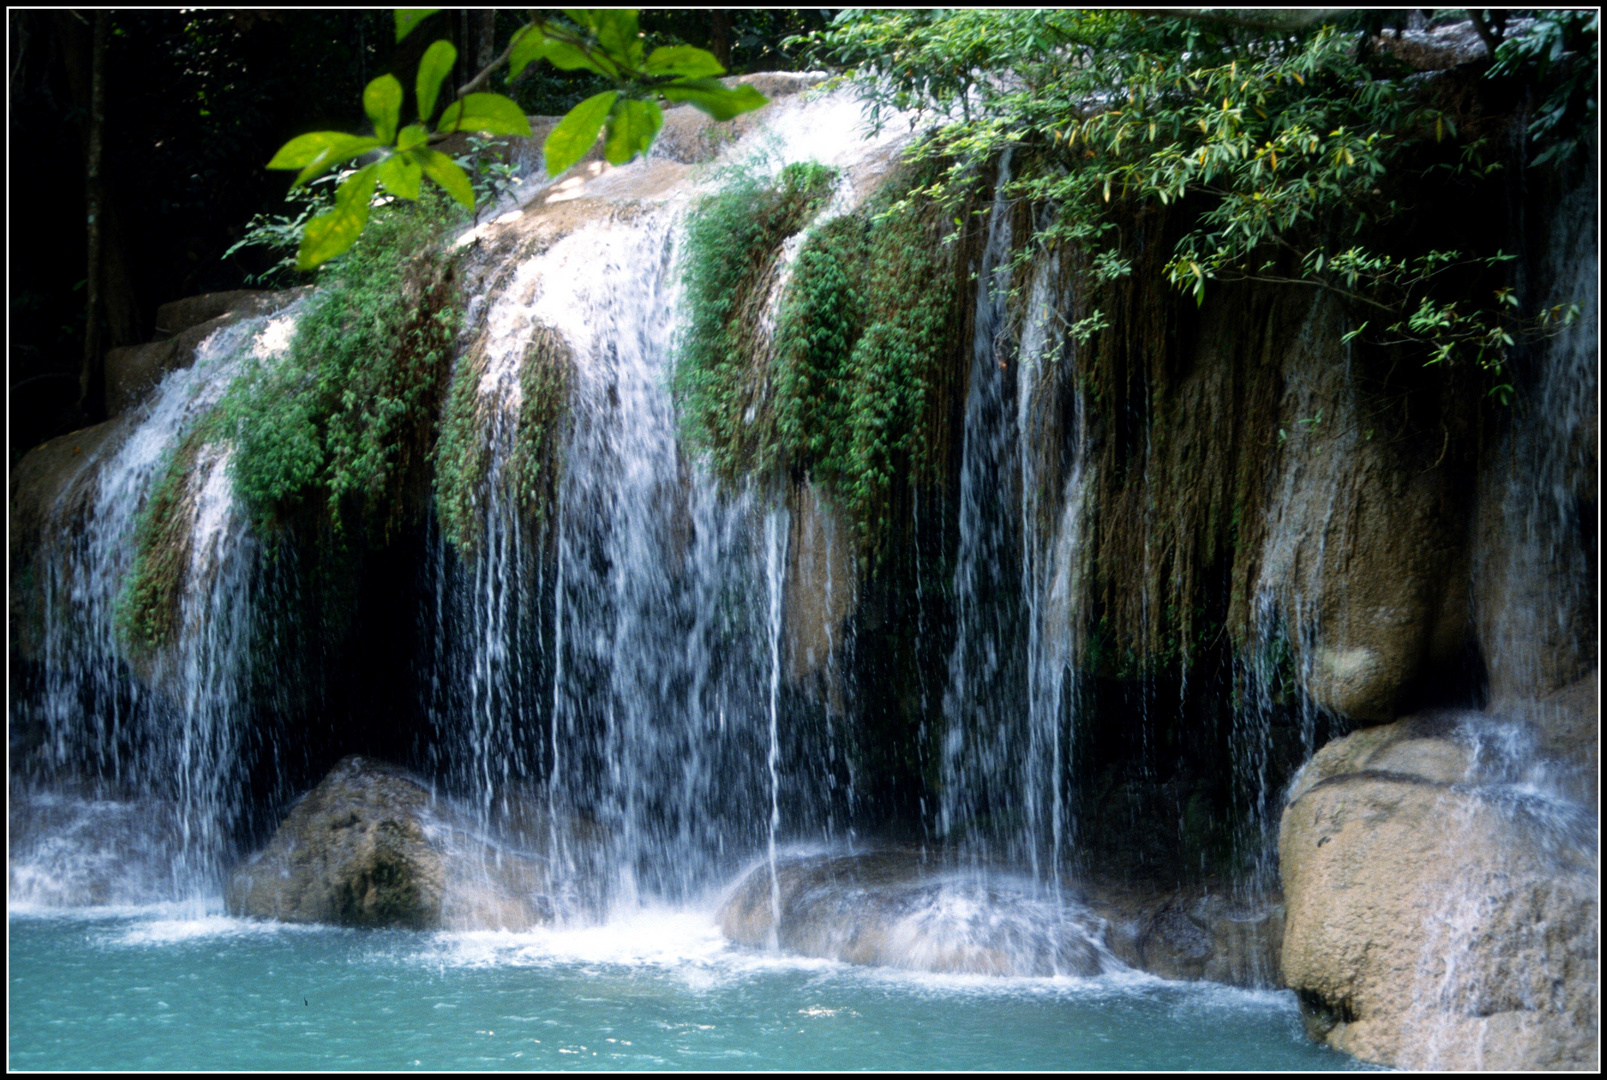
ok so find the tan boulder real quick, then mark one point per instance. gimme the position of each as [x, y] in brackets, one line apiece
[372, 846]
[1441, 912]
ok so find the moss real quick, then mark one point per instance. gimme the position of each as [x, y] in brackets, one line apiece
[346, 415]
[148, 607]
[535, 462]
[462, 453]
[723, 376]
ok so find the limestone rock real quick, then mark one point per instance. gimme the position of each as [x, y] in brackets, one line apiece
[371, 846]
[133, 371]
[887, 909]
[177, 316]
[1193, 935]
[1441, 909]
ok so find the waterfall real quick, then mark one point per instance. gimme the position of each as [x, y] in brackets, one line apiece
[981, 746]
[162, 734]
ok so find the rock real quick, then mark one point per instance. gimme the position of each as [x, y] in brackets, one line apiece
[1193, 935]
[371, 846]
[51, 487]
[890, 909]
[1441, 907]
[133, 371]
[821, 586]
[1365, 548]
[177, 316]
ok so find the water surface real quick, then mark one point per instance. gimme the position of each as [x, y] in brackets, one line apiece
[170, 987]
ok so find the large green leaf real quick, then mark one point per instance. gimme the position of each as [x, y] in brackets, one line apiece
[717, 100]
[444, 171]
[577, 131]
[412, 135]
[683, 60]
[330, 234]
[632, 127]
[561, 54]
[382, 101]
[408, 18]
[529, 44]
[618, 35]
[492, 114]
[319, 151]
[436, 65]
[400, 173]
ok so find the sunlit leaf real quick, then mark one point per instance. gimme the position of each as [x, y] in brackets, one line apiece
[444, 171]
[401, 173]
[683, 60]
[330, 234]
[529, 44]
[632, 126]
[412, 135]
[382, 101]
[491, 114]
[432, 69]
[709, 95]
[320, 151]
[408, 18]
[577, 132]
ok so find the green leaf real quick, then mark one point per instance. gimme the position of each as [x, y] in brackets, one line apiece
[320, 151]
[382, 101]
[683, 60]
[710, 96]
[400, 173]
[412, 135]
[330, 234]
[561, 54]
[444, 171]
[409, 18]
[529, 44]
[617, 33]
[492, 114]
[436, 65]
[577, 131]
[632, 126]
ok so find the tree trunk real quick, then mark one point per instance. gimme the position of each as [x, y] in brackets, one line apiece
[90, 381]
[720, 36]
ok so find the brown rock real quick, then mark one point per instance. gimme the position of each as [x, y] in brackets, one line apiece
[177, 316]
[1440, 925]
[371, 846]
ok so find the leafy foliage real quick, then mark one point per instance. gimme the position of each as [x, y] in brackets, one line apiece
[148, 607]
[844, 389]
[730, 261]
[344, 415]
[604, 41]
[1279, 144]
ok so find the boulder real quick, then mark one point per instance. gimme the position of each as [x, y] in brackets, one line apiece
[891, 909]
[1365, 548]
[372, 846]
[1442, 904]
[134, 370]
[177, 316]
[1193, 934]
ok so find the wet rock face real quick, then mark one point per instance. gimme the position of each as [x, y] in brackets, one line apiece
[371, 846]
[132, 372]
[888, 910]
[1441, 905]
[1194, 935]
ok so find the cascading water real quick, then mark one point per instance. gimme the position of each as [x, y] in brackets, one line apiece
[169, 740]
[982, 748]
